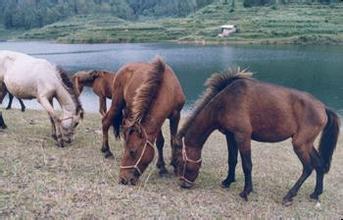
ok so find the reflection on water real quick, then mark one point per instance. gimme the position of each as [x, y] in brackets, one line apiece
[315, 69]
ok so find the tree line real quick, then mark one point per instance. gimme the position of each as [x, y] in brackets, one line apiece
[37, 13]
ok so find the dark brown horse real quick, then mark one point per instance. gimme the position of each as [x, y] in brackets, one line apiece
[4, 92]
[101, 83]
[144, 96]
[245, 109]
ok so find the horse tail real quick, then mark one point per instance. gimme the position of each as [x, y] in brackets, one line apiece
[329, 138]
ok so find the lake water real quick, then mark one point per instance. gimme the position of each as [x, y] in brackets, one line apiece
[315, 69]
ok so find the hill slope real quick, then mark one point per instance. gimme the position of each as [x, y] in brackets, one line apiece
[292, 23]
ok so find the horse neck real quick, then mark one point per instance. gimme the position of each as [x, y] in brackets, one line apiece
[66, 101]
[201, 128]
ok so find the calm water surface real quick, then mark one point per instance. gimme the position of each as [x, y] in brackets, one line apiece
[315, 69]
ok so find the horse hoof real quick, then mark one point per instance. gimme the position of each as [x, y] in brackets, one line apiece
[244, 195]
[314, 196]
[226, 183]
[287, 202]
[163, 172]
[108, 155]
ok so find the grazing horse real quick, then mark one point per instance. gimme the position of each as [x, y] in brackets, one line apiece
[144, 95]
[101, 83]
[3, 93]
[246, 109]
[27, 77]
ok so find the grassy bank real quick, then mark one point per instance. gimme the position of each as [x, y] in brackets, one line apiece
[282, 24]
[39, 180]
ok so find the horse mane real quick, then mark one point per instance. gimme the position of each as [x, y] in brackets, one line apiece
[69, 86]
[214, 85]
[146, 93]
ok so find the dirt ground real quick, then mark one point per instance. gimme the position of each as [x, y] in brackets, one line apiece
[40, 180]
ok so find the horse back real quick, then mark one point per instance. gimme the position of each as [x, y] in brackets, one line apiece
[270, 112]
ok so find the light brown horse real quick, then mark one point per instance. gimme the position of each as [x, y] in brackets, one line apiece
[101, 83]
[144, 96]
[245, 109]
[4, 92]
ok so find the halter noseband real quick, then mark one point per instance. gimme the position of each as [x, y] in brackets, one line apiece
[147, 143]
[67, 118]
[186, 159]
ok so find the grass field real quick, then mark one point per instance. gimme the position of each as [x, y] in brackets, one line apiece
[284, 24]
[39, 180]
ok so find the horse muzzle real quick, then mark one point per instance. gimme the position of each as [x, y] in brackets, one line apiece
[185, 184]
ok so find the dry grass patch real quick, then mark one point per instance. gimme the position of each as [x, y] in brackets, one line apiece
[40, 180]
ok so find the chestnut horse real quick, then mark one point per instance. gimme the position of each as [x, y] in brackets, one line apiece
[3, 93]
[101, 83]
[144, 96]
[245, 109]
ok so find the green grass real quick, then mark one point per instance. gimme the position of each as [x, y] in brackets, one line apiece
[293, 23]
[38, 180]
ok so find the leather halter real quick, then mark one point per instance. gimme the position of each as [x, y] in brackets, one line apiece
[67, 118]
[186, 159]
[147, 143]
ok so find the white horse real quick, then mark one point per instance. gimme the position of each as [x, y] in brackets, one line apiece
[27, 77]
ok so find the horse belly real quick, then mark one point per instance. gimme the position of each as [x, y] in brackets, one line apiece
[20, 89]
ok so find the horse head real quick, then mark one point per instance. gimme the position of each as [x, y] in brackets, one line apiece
[82, 79]
[187, 169]
[138, 153]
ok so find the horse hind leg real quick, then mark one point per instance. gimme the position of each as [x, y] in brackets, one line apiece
[318, 165]
[303, 153]
[232, 161]
[160, 163]
[106, 124]
[22, 105]
[9, 106]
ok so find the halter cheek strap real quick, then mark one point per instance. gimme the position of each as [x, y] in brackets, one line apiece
[135, 166]
[187, 159]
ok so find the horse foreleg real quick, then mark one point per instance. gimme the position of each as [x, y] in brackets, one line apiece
[232, 160]
[53, 126]
[10, 96]
[102, 107]
[55, 120]
[160, 163]
[173, 125]
[305, 159]
[106, 124]
[22, 105]
[2, 122]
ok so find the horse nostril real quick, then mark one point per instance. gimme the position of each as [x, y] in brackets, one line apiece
[133, 181]
[123, 181]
